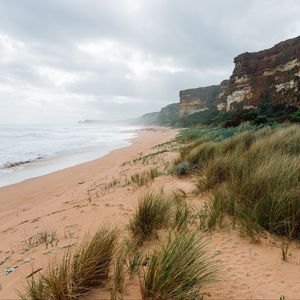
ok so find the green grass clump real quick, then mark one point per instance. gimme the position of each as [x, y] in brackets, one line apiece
[181, 217]
[259, 173]
[75, 274]
[182, 168]
[178, 270]
[152, 213]
[91, 262]
[145, 177]
[119, 277]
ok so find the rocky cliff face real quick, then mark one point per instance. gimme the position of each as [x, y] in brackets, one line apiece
[271, 76]
[169, 113]
[166, 116]
[197, 100]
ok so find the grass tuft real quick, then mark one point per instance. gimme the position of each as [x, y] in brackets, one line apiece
[75, 275]
[178, 270]
[152, 213]
[91, 262]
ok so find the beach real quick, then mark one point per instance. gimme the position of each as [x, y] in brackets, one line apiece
[76, 201]
[57, 201]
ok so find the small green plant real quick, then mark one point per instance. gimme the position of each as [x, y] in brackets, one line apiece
[181, 217]
[178, 270]
[182, 168]
[44, 237]
[118, 277]
[152, 213]
[133, 256]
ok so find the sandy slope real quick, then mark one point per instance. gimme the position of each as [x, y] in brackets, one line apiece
[75, 201]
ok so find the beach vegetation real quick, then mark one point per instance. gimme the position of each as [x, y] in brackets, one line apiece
[152, 213]
[119, 276]
[144, 177]
[178, 269]
[76, 273]
[254, 176]
[44, 237]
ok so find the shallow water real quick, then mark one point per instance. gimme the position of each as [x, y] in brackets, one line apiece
[52, 148]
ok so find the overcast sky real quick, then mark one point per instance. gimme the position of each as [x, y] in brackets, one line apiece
[66, 60]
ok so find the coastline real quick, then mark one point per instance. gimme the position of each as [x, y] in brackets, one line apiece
[59, 199]
[76, 201]
[18, 171]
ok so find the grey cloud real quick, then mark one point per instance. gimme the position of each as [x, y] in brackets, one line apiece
[91, 58]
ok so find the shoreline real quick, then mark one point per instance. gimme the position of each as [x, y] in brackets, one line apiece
[17, 172]
[78, 200]
[61, 199]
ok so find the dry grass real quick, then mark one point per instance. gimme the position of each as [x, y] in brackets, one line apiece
[145, 177]
[75, 274]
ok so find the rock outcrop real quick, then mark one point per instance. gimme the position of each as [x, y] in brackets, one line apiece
[197, 100]
[166, 116]
[269, 77]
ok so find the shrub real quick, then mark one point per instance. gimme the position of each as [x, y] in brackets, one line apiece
[182, 168]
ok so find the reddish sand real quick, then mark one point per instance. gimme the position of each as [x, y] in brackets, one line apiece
[74, 201]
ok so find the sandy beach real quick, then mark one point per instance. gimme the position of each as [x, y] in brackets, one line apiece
[77, 200]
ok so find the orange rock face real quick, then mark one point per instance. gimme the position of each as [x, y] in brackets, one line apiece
[271, 75]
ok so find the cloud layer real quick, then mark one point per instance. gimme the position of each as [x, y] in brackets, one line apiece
[65, 60]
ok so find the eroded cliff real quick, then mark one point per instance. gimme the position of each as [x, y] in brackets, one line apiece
[268, 77]
[197, 100]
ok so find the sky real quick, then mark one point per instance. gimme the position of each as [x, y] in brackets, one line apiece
[67, 60]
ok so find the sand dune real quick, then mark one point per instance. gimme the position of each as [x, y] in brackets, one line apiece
[77, 200]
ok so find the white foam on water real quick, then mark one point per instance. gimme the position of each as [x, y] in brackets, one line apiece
[52, 148]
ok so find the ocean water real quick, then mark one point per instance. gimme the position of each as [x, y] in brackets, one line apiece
[28, 151]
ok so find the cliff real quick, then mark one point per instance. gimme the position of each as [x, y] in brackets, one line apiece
[168, 115]
[268, 78]
[269, 75]
[197, 100]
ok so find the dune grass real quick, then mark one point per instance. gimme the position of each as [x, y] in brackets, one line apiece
[76, 273]
[119, 276]
[255, 177]
[152, 213]
[144, 177]
[92, 260]
[178, 270]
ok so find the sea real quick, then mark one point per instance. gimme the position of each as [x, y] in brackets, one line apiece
[28, 151]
